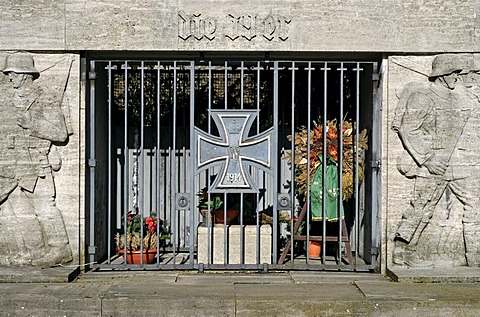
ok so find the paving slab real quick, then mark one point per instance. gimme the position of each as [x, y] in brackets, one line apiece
[238, 294]
[30, 274]
[434, 275]
[119, 276]
[163, 299]
[243, 278]
[328, 277]
[421, 299]
[50, 299]
[324, 299]
[420, 291]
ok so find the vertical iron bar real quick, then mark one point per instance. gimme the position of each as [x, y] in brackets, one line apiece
[293, 183]
[126, 155]
[309, 107]
[109, 164]
[173, 168]
[376, 154]
[193, 227]
[324, 162]
[92, 163]
[141, 175]
[274, 162]
[357, 127]
[340, 164]
[183, 168]
[225, 92]
[242, 229]
[257, 226]
[241, 84]
[158, 166]
[209, 211]
[225, 238]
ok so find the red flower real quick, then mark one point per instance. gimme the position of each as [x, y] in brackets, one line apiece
[151, 224]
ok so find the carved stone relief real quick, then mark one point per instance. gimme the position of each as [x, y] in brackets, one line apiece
[234, 27]
[438, 124]
[33, 124]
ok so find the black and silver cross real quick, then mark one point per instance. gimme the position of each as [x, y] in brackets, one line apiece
[233, 150]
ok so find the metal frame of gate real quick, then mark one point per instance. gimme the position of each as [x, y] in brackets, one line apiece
[110, 190]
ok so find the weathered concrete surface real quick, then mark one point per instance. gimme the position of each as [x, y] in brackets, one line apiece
[220, 25]
[435, 275]
[407, 299]
[34, 23]
[28, 274]
[51, 299]
[433, 25]
[231, 294]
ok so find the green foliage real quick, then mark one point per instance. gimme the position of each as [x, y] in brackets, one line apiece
[151, 226]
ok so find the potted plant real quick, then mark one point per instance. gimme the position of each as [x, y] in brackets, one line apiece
[215, 203]
[141, 237]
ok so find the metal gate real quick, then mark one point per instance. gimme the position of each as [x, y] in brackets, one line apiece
[224, 164]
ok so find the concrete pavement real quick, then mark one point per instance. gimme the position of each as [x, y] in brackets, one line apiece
[143, 293]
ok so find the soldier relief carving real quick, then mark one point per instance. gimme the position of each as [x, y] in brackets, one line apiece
[438, 123]
[32, 125]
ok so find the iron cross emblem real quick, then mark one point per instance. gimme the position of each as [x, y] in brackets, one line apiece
[233, 150]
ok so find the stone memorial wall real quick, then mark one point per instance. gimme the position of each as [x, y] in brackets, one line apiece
[431, 106]
[432, 175]
[40, 155]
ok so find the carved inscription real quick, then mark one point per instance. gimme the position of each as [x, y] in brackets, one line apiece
[196, 26]
[234, 27]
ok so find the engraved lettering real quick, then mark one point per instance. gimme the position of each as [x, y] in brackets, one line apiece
[234, 27]
[183, 26]
[283, 28]
[196, 26]
[234, 178]
[269, 27]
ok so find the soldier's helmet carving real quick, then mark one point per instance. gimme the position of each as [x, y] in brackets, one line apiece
[21, 63]
[445, 64]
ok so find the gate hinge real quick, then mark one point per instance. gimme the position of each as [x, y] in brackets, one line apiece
[375, 77]
[374, 251]
[376, 164]
[92, 162]
[92, 75]
[92, 249]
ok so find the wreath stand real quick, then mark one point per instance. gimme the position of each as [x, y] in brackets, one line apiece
[296, 227]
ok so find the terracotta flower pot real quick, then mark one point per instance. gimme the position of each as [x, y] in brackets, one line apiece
[204, 213]
[314, 249]
[133, 257]
[231, 215]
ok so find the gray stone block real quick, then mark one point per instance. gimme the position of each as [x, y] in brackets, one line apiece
[288, 26]
[234, 244]
[32, 25]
